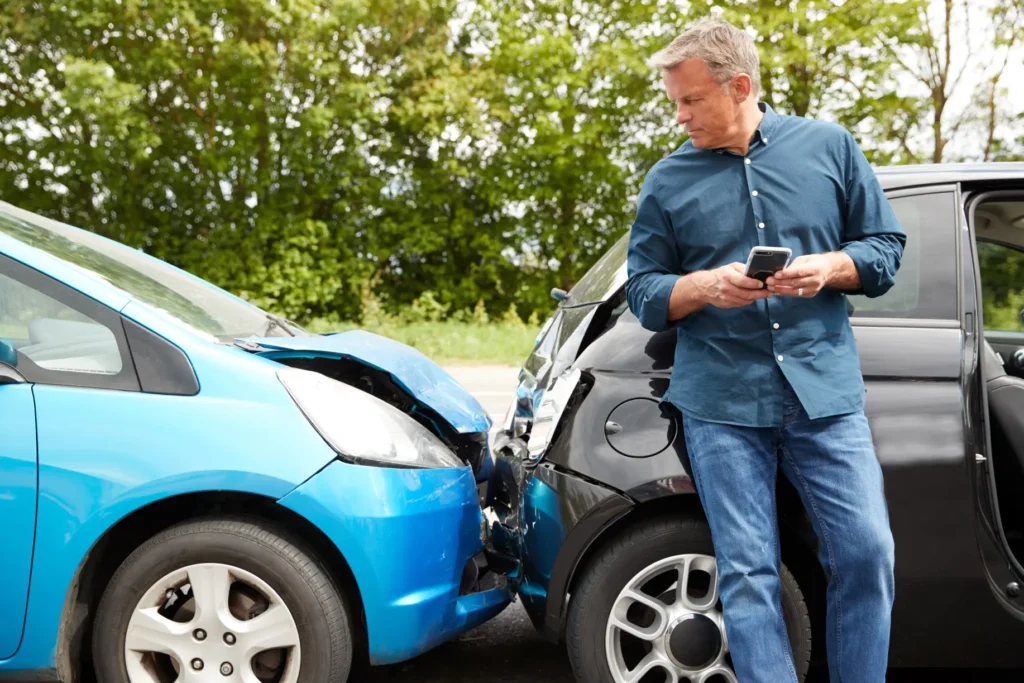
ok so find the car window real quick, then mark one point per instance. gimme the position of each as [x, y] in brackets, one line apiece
[53, 334]
[1002, 286]
[925, 284]
[601, 280]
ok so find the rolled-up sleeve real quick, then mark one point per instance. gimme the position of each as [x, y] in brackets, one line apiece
[652, 263]
[873, 237]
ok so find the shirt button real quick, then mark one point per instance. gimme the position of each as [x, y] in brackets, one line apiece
[760, 225]
[780, 359]
[746, 161]
[754, 193]
[766, 141]
[776, 326]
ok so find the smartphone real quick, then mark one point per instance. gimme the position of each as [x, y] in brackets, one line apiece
[765, 261]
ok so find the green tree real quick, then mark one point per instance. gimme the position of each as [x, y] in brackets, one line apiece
[238, 144]
[1008, 20]
[574, 119]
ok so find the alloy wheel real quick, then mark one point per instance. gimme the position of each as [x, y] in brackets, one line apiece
[666, 625]
[212, 622]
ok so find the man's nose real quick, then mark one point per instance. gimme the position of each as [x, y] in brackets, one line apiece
[683, 116]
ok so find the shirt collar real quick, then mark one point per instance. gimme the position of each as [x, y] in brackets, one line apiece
[768, 123]
[764, 129]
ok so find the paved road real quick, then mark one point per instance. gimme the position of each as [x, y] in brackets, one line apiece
[508, 649]
[492, 385]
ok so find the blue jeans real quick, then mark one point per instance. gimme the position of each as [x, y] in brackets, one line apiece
[831, 462]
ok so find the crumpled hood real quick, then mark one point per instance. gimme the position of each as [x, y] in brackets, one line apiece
[412, 370]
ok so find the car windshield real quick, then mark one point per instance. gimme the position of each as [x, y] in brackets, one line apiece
[187, 299]
[603, 277]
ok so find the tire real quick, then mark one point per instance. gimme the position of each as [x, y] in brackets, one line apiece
[650, 544]
[255, 567]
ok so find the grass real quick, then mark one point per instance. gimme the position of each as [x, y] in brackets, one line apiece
[453, 342]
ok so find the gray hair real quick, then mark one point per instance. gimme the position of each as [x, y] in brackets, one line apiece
[725, 49]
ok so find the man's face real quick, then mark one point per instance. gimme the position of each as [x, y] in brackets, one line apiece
[707, 110]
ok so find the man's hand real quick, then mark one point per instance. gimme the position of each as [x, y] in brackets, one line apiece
[728, 287]
[804, 277]
[808, 275]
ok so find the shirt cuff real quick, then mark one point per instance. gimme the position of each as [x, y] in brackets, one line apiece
[654, 309]
[869, 269]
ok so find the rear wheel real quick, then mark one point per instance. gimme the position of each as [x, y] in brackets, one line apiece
[221, 600]
[647, 610]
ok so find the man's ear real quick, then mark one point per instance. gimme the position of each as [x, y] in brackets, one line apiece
[742, 86]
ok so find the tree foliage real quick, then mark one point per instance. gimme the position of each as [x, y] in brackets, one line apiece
[322, 156]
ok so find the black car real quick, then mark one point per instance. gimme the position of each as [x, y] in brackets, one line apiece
[596, 513]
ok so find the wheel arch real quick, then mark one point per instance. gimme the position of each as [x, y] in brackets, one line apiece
[73, 658]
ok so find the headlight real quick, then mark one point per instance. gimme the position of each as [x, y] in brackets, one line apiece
[361, 427]
[550, 412]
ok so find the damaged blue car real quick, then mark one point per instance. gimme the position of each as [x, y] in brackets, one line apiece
[192, 488]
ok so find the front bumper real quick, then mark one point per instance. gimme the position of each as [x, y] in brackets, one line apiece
[412, 538]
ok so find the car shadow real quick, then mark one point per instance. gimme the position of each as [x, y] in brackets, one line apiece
[507, 649]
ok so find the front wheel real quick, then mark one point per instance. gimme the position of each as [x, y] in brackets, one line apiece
[647, 610]
[221, 600]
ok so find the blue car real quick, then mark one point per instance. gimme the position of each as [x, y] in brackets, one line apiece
[193, 489]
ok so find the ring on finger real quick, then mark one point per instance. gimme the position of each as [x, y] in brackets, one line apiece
[800, 292]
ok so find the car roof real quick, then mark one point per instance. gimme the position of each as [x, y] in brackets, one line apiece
[914, 175]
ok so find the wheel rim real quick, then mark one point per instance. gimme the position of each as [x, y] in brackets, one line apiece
[666, 625]
[212, 622]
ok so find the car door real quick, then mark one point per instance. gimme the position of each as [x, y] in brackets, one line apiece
[994, 280]
[51, 338]
[18, 475]
[911, 342]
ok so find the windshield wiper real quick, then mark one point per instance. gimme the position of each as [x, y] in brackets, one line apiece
[277, 321]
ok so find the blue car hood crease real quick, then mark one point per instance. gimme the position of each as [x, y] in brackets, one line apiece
[411, 369]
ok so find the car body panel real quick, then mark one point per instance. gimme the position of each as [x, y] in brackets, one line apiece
[410, 368]
[17, 508]
[407, 534]
[563, 514]
[923, 407]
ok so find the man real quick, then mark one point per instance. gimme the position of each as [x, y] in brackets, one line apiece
[768, 376]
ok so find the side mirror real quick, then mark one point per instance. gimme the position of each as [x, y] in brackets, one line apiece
[558, 294]
[7, 353]
[8, 361]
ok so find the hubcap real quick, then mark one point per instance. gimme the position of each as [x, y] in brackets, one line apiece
[252, 634]
[694, 641]
[666, 625]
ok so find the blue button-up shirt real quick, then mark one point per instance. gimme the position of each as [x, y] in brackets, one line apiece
[803, 184]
